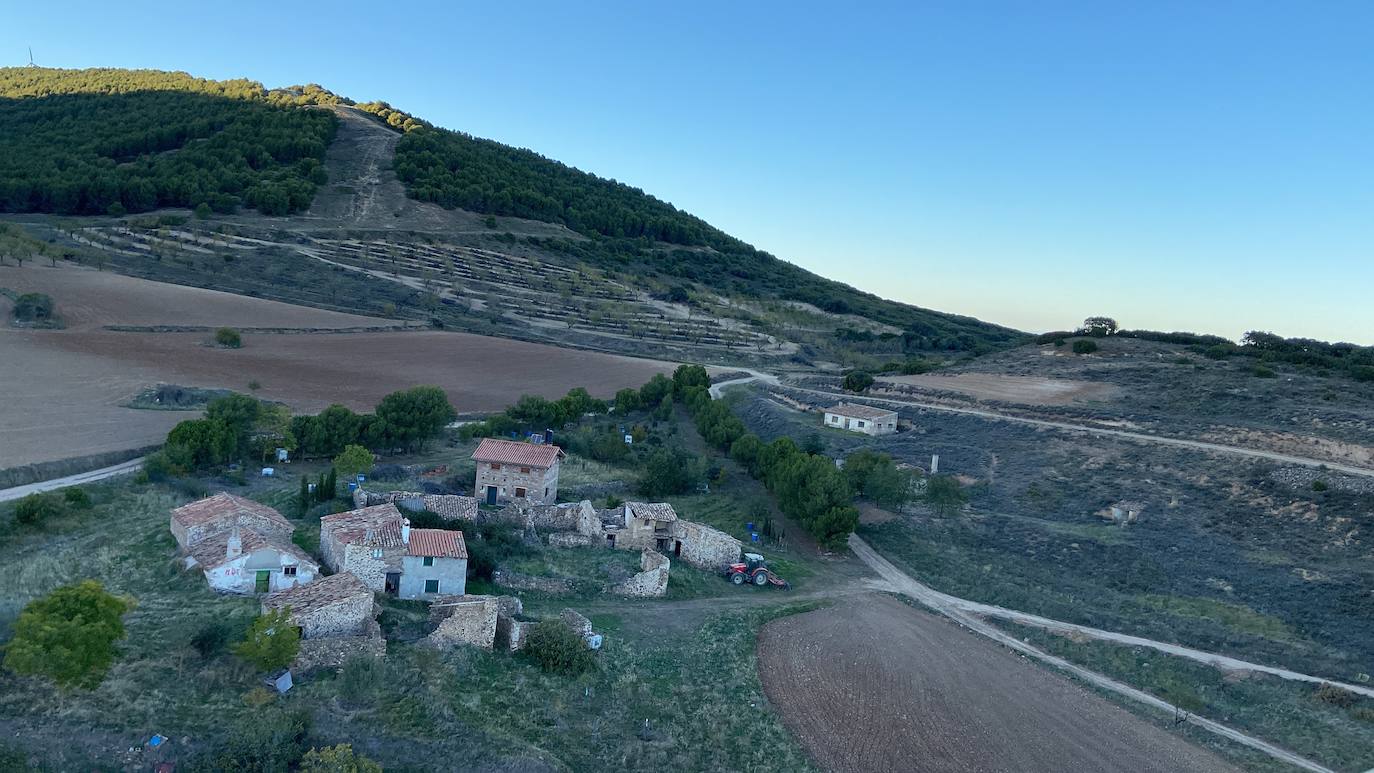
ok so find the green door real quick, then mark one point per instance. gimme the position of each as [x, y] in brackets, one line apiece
[264, 581]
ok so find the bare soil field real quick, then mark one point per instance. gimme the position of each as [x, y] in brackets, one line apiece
[87, 298]
[1027, 390]
[64, 388]
[874, 685]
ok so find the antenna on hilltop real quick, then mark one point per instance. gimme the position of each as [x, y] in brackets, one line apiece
[31, 64]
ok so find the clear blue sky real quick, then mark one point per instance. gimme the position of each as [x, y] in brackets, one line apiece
[1178, 165]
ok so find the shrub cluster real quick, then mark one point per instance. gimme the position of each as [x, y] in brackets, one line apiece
[557, 648]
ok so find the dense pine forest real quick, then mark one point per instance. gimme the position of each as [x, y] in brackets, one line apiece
[629, 229]
[84, 142]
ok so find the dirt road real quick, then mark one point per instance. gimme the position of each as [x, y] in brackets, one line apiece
[1301, 461]
[962, 612]
[875, 685]
[91, 476]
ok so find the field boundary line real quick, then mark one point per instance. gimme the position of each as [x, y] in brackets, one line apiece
[943, 604]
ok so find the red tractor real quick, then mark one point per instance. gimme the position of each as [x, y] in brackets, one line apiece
[754, 569]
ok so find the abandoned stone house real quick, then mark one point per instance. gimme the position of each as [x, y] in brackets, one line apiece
[241, 546]
[861, 418]
[655, 526]
[337, 617]
[511, 471]
[378, 546]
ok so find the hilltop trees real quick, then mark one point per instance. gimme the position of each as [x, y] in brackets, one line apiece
[100, 141]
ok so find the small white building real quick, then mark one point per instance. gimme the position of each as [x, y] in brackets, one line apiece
[243, 561]
[435, 563]
[861, 418]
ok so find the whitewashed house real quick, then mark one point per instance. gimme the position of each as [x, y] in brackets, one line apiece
[240, 545]
[861, 418]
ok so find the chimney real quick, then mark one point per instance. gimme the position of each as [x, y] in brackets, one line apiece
[234, 548]
[405, 531]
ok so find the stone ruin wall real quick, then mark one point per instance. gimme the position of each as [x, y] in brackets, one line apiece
[651, 582]
[705, 547]
[464, 620]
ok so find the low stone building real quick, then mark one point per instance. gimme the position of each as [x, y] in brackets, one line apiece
[218, 514]
[469, 620]
[435, 562]
[337, 617]
[861, 418]
[511, 471]
[655, 526]
[651, 581]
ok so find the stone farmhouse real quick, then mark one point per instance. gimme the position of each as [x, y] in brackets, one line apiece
[511, 471]
[240, 545]
[378, 546]
[655, 526]
[337, 617]
[861, 418]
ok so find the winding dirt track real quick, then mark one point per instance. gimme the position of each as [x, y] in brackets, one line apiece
[874, 685]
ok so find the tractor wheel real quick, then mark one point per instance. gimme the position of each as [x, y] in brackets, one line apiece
[761, 579]
[737, 578]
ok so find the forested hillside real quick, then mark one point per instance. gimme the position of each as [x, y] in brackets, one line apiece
[113, 141]
[630, 229]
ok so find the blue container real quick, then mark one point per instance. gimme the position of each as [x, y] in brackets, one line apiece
[352, 486]
[361, 477]
[749, 526]
[754, 536]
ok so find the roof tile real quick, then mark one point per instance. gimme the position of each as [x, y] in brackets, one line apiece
[514, 452]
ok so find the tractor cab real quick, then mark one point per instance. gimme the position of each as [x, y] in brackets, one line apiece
[753, 562]
[753, 570]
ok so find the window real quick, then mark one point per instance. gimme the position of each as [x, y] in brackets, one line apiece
[431, 586]
[376, 552]
[429, 561]
[495, 466]
[289, 571]
[546, 491]
[519, 493]
[524, 471]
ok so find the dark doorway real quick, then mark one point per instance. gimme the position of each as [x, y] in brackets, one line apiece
[677, 548]
[491, 495]
[661, 544]
[393, 583]
[610, 540]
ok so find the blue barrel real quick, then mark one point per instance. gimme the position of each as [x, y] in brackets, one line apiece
[749, 526]
[754, 536]
[352, 486]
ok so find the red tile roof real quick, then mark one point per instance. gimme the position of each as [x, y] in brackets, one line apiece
[437, 543]
[213, 551]
[226, 505]
[514, 452]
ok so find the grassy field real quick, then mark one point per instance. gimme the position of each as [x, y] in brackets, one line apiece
[688, 670]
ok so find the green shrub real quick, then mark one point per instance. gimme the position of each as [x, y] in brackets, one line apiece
[857, 381]
[228, 337]
[68, 635]
[33, 307]
[1319, 485]
[1335, 696]
[34, 509]
[272, 641]
[77, 497]
[557, 648]
[1084, 346]
[1219, 351]
[1262, 372]
[337, 759]
[261, 739]
[211, 639]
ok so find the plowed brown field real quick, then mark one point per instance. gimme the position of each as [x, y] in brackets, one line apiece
[875, 685]
[62, 391]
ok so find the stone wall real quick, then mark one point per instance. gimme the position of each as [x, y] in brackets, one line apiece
[518, 581]
[541, 486]
[347, 617]
[333, 651]
[651, 582]
[566, 540]
[372, 571]
[464, 620]
[450, 507]
[581, 625]
[511, 634]
[705, 547]
[579, 517]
